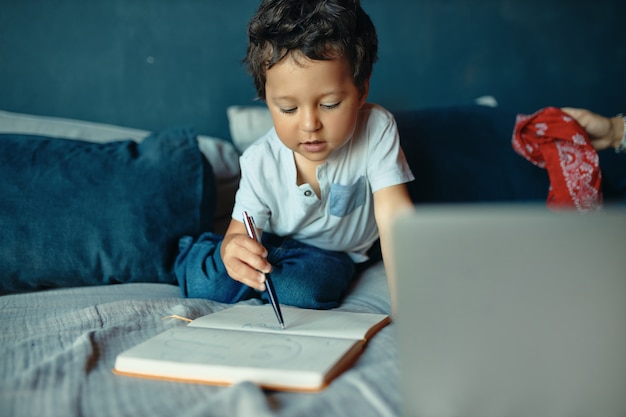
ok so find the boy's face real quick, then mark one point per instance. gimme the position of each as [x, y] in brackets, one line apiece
[314, 105]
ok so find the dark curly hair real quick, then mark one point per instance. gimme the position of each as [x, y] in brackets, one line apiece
[318, 29]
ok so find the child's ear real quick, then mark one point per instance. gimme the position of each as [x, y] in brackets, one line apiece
[366, 90]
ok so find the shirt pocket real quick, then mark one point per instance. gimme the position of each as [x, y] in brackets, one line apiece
[344, 199]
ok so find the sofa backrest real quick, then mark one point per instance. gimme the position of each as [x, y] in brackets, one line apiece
[463, 154]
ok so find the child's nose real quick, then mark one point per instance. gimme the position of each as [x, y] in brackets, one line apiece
[309, 121]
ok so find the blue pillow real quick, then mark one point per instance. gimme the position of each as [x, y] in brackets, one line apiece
[613, 166]
[76, 213]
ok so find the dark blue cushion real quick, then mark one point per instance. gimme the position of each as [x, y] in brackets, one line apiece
[613, 166]
[76, 213]
[464, 154]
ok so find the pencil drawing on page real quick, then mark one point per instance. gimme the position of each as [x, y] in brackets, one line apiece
[209, 347]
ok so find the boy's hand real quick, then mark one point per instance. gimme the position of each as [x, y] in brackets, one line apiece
[244, 258]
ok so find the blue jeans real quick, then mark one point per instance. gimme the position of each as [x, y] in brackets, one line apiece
[303, 275]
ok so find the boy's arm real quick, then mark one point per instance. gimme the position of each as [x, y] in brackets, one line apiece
[389, 202]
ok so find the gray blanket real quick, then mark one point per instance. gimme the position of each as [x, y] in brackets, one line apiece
[58, 347]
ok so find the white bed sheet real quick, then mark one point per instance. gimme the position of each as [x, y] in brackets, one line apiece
[57, 349]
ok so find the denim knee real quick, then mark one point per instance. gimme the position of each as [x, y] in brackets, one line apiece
[201, 273]
[306, 276]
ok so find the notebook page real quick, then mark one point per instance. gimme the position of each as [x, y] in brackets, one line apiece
[232, 356]
[298, 321]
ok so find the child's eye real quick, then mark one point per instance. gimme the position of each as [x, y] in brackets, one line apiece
[288, 111]
[331, 106]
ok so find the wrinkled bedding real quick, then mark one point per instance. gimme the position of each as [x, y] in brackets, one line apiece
[57, 349]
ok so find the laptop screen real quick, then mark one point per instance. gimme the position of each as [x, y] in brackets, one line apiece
[511, 311]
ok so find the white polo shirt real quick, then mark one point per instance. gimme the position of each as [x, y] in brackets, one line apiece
[342, 219]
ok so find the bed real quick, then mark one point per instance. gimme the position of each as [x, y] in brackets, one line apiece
[87, 273]
[59, 346]
[91, 215]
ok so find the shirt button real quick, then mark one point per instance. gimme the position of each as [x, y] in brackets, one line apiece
[308, 193]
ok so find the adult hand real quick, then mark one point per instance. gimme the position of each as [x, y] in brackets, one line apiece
[604, 132]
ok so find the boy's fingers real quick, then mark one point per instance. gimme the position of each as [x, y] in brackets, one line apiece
[242, 272]
[247, 264]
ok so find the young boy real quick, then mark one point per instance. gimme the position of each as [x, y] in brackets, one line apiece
[324, 184]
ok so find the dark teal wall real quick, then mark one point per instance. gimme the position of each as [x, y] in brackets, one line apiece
[526, 53]
[154, 64]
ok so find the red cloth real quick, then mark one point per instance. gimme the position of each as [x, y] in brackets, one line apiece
[553, 140]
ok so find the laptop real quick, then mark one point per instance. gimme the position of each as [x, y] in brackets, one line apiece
[511, 311]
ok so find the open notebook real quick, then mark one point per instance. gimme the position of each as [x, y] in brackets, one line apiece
[246, 343]
[511, 311]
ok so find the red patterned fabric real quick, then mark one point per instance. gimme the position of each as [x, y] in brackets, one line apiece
[553, 140]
